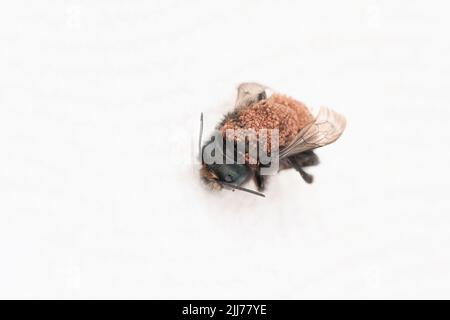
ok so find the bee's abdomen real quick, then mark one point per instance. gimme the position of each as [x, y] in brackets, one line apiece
[278, 112]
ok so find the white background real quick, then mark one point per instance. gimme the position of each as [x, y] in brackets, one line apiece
[99, 190]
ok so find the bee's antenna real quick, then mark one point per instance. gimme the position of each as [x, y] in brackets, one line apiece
[232, 186]
[200, 138]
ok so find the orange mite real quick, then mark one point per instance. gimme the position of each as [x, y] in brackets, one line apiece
[299, 133]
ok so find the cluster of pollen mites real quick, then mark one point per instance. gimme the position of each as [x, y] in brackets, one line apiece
[277, 112]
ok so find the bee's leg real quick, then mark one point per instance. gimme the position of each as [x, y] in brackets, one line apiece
[296, 165]
[259, 180]
[307, 159]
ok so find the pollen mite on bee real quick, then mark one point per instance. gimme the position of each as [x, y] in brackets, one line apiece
[265, 132]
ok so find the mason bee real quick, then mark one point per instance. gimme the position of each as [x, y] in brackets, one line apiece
[265, 123]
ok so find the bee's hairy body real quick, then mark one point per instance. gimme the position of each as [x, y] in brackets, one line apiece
[277, 112]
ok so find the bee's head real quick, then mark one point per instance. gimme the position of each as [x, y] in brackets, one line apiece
[225, 174]
[222, 175]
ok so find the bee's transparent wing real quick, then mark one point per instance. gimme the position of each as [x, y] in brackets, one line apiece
[325, 129]
[249, 93]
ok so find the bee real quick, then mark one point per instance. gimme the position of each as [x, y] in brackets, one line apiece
[258, 108]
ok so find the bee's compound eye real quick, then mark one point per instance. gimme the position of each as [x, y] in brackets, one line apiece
[230, 173]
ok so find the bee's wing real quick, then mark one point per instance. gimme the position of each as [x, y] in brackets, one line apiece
[249, 93]
[326, 128]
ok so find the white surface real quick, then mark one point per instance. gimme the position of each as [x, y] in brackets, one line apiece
[99, 107]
